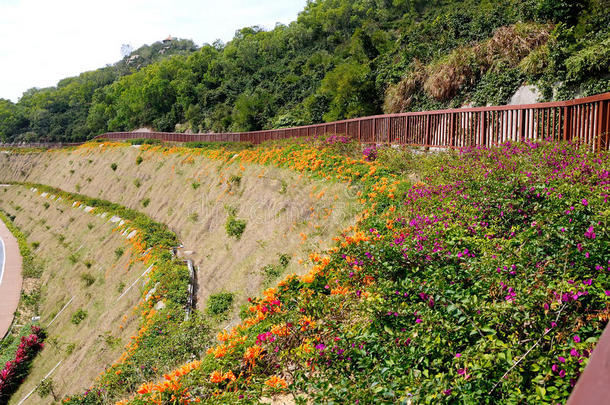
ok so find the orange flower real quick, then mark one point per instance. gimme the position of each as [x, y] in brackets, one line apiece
[229, 376]
[306, 322]
[220, 351]
[216, 377]
[146, 388]
[276, 382]
[252, 353]
[308, 278]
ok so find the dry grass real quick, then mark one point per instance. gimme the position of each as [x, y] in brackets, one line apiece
[69, 238]
[278, 205]
[509, 45]
[449, 75]
[443, 79]
[399, 97]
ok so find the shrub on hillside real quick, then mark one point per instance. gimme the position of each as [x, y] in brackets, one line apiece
[218, 305]
[78, 316]
[235, 227]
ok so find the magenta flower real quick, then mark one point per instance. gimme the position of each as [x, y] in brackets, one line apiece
[418, 320]
[561, 359]
[562, 373]
[585, 202]
[577, 338]
[590, 233]
[458, 354]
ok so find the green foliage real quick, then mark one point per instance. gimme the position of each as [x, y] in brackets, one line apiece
[145, 141]
[78, 316]
[195, 185]
[88, 279]
[235, 227]
[113, 166]
[218, 305]
[335, 61]
[235, 179]
[139, 160]
[118, 252]
[145, 202]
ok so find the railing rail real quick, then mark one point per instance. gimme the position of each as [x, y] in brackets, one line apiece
[582, 121]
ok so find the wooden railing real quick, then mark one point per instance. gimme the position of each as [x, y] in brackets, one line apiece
[582, 121]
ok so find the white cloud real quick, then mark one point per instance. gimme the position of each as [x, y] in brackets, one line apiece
[42, 41]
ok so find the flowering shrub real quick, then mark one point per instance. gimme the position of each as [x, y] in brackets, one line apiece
[370, 153]
[487, 283]
[15, 371]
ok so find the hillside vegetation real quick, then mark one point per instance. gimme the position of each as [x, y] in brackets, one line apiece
[284, 214]
[480, 276]
[75, 264]
[339, 59]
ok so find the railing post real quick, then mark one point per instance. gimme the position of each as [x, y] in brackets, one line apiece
[427, 131]
[452, 130]
[360, 131]
[567, 123]
[375, 130]
[521, 125]
[602, 119]
[483, 129]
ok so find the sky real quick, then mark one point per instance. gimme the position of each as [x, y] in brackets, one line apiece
[44, 41]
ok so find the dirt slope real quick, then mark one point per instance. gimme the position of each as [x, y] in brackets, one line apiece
[77, 250]
[285, 213]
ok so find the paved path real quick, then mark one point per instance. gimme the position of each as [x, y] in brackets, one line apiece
[10, 278]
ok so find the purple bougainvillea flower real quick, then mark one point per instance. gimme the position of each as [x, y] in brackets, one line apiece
[562, 373]
[561, 359]
[447, 392]
[458, 354]
[585, 202]
[574, 353]
[589, 233]
[418, 320]
[607, 293]
[577, 338]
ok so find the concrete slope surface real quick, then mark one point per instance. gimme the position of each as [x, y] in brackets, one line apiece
[10, 278]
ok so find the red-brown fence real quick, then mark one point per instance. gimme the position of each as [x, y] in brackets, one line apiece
[582, 121]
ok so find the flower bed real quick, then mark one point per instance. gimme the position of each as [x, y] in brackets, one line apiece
[487, 283]
[15, 371]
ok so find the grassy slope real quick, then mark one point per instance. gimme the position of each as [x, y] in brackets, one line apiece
[68, 239]
[278, 206]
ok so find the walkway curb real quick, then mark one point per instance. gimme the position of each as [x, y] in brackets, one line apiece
[10, 287]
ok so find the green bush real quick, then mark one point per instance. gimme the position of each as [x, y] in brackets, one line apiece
[139, 160]
[113, 166]
[218, 305]
[145, 141]
[88, 279]
[118, 252]
[145, 202]
[235, 227]
[78, 316]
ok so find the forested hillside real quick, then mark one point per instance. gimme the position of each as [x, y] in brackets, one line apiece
[339, 59]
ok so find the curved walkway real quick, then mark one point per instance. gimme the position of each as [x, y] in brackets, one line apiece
[10, 278]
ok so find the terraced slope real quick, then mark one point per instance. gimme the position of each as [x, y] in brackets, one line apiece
[285, 213]
[82, 264]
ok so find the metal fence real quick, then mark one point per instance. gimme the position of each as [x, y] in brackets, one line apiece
[582, 121]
